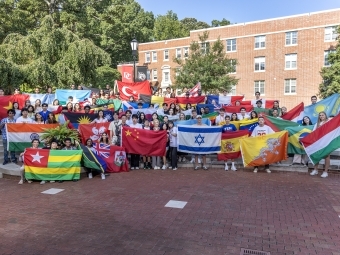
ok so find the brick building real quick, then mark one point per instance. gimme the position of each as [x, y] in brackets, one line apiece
[280, 57]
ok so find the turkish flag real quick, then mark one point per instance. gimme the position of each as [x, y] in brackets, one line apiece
[127, 90]
[6, 103]
[93, 131]
[144, 142]
[127, 74]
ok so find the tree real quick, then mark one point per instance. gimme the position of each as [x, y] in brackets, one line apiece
[192, 24]
[331, 74]
[106, 75]
[168, 27]
[11, 75]
[207, 64]
[218, 23]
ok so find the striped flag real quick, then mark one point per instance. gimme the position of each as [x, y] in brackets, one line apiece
[52, 165]
[230, 145]
[20, 135]
[199, 139]
[323, 141]
[194, 91]
[296, 114]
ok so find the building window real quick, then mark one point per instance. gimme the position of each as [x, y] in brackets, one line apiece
[178, 53]
[232, 91]
[330, 34]
[326, 55]
[154, 74]
[231, 45]
[260, 42]
[291, 60]
[186, 52]
[290, 86]
[154, 56]
[166, 77]
[233, 63]
[166, 55]
[148, 74]
[205, 47]
[259, 86]
[147, 57]
[291, 38]
[260, 64]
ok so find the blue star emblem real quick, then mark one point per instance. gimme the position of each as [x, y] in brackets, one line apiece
[199, 139]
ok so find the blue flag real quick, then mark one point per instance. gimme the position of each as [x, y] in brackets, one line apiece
[44, 98]
[191, 122]
[78, 95]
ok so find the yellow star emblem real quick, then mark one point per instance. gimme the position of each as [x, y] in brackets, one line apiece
[128, 133]
[10, 106]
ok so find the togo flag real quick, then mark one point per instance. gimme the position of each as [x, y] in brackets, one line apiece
[295, 134]
[20, 135]
[199, 139]
[323, 141]
[52, 165]
[263, 150]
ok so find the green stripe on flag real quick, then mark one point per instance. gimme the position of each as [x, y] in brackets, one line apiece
[67, 164]
[52, 177]
[295, 134]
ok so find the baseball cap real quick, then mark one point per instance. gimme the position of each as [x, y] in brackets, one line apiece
[199, 116]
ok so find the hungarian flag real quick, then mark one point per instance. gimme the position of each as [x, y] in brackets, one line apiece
[20, 135]
[126, 90]
[52, 165]
[144, 142]
[183, 101]
[6, 103]
[323, 141]
[296, 114]
[263, 150]
[93, 131]
[230, 145]
[278, 124]
[79, 118]
[295, 135]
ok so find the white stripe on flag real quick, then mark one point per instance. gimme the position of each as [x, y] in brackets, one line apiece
[323, 142]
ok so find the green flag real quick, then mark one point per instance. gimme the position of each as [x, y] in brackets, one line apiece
[116, 103]
[295, 134]
[278, 124]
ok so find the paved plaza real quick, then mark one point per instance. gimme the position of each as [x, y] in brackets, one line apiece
[280, 213]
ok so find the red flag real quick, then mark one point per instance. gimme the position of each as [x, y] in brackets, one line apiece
[127, 74]
[93, 131]
[190, 100]
[144, 142]
[6, 103]
[194, 91]
[237, 109]
[230, 145]
[295, 114]
[127, 90]
[268, 104]
[118, 161]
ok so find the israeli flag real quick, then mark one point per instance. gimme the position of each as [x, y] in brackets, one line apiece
[199, 139]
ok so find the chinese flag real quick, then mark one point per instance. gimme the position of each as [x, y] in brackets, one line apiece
[144, 142]
[127, 90]
[127, 74]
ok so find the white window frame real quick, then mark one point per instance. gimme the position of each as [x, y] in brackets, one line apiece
[186, 52]
[232, 91]
[257, 87]
[331, 34]
[154, 56]
[154, 75]
[260, 42]
[291, 38]
[325, 57]
[234, 63]
[231, 45]
[147, 57]
[260, 62]
[179, 53]
[291, 86]
[166, 55]
[205, 46]
[166, 77]
[291, 61]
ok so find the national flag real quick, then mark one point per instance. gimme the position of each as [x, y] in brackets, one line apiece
[248, 125]
[295, 114]
[147, 112]
[19, 98]
[329, 105]
[323, 141]
[183, 101]
[79, 118]
[268, 104]
[91, 160]
[6, 103]
[264, 150]
[56, 109]
[199, 139]
[194, 90]
[78, 95]
[190, 122]
[93, 131]
[130, 105]
[223, 100]
[229, 110]
[144, 142]
[102, 149]
[126, 90]
[278, 124]
[156, 100]
[230, 145]
[261, 111]
[211, 116]
[20, 135]
[44, 98]
[114, 104]
[295, 135]
[212, 108]
[52, 165]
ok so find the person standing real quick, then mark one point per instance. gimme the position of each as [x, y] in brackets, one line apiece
[173, 145]
[204, 157]
[135, 158]
[9, 119]
[24, 117]
[226, 128]
[44, 113]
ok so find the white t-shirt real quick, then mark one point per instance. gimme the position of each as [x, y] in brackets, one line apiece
[219, 119]
[259, 131]
[96, 120]
[24, 120]
[314, 128]
[137, 125]
[173, 139]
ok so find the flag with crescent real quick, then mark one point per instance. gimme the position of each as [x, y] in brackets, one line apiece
[126, 90]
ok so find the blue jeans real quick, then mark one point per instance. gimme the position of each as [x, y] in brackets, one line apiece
[13, 158]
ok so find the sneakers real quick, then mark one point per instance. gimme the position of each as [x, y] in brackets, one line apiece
[196, 168]
[268, 171]
[102, 175]
[226, 168]
[184, 159]
[156, 167]
[132, 168]
[192, 161]
[233, 168]
[170, 167]
[42, 182]
[324, 175]
[21, 182]
[52, 181]
[314, 172]
[29, 181]
[137, 168]
[199, 161]
[174, 169]
[90, 176]
[145, 167]
[255, 169]
[5, 162]
[163, 167]
[205, 167]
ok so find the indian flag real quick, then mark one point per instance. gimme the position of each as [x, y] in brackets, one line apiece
[52, 165]
[20, 135]
[323, 141]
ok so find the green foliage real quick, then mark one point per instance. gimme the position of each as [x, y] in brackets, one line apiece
[219, 23]
[60, 133]
[106, 75]
[331, 75]
[11, 75]
[211, 66]
[192, 24]
[168, 27]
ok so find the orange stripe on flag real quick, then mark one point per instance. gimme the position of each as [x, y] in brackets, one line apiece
[28, 127]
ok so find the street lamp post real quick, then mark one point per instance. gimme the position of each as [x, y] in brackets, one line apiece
[134, 48]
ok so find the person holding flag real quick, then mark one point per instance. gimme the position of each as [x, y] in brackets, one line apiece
[228, 127]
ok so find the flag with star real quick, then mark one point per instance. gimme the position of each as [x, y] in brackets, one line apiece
[144, 142]
[199, 139]
[52, 165]
[79, 118]
[295, 134]
[6, 103]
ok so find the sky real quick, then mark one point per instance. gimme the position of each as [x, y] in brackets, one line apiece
[237, 11]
